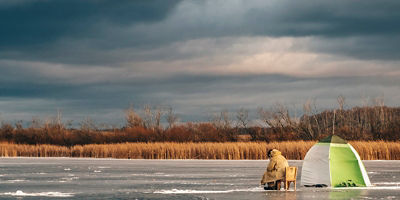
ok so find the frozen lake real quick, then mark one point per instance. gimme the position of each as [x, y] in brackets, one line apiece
[70, 178]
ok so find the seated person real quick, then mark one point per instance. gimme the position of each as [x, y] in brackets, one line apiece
[275, 170]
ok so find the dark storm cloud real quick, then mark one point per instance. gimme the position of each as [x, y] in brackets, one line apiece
[72, 31]
[98, 31]
[328, 18]
[39, 22]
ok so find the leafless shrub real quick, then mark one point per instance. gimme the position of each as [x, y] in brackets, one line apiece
[132, 118]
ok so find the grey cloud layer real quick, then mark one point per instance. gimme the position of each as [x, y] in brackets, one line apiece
[96, 57]
[108, 32]
[193, 97]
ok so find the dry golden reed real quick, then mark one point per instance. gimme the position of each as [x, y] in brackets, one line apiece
[294, 150]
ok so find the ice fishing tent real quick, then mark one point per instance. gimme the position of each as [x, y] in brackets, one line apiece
[335, 163]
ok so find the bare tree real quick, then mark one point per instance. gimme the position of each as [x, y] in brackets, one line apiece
[242, 116]
[148, 116]
[88, 124]
[158, 112]
[226, 120]
[364, 118]
[152, 117]
[380, 103]
[266, 116]
[333, 122]
[221, 120]
[339, 117]
[310, 111]
[215, 119]
[365, 101]
[307, 107]
[276, 117]
[132, 118]
[171, 117]
[19, 125]
[36, 123]
[341, 101]
[282, 116]
[69, 124]
[279, 120]
[58, 121]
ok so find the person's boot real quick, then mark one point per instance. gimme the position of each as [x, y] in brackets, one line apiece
[268, 188]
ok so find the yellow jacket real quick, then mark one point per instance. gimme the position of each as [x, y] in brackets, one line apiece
[276, 168]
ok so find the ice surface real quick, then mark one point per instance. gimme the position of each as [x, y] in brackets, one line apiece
[388, 183]
[171, 179]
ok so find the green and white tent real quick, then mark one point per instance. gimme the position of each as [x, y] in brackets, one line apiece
[335, 163]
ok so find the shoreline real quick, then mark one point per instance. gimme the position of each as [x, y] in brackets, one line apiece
[89, 158]
[292, 150]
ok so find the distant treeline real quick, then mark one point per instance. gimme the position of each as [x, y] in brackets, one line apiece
[359, 123]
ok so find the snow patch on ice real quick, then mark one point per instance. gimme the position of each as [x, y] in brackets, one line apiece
[70, 178]
[16, 180]
[38, 194]
[39, 173]
[177, 191]
[152, 175]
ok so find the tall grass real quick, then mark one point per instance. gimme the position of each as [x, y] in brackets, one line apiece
[295, 150]
[377, 150]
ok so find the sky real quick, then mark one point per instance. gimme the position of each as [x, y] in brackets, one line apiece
[96, 58]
